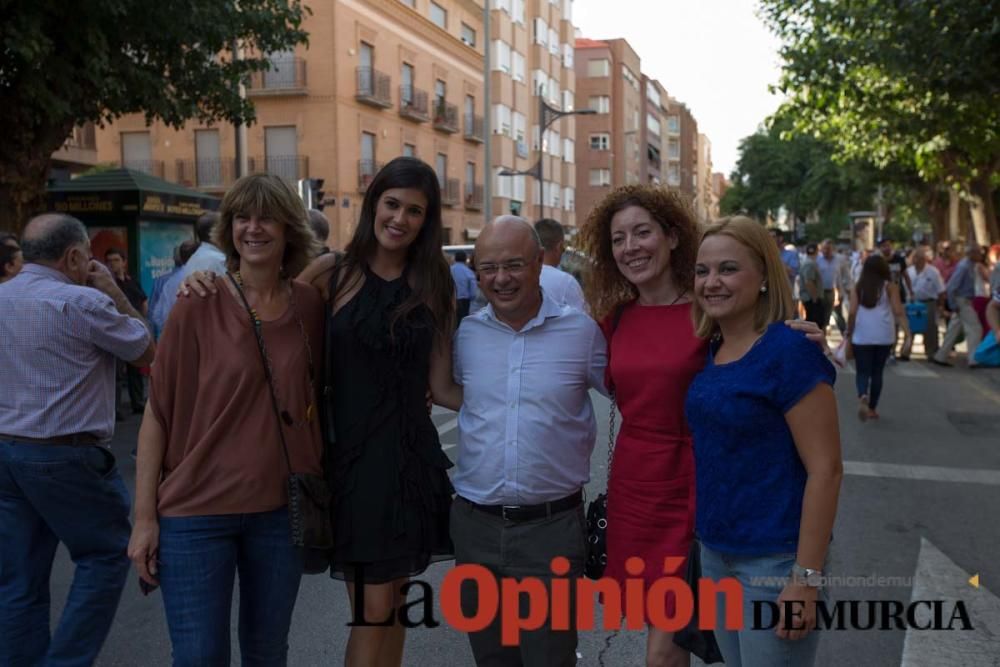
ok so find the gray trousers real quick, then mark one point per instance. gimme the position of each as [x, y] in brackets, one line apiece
[518, 550]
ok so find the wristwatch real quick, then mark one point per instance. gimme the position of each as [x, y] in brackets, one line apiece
[808, 576]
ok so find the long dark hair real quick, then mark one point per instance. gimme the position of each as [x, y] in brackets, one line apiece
[874, 276]
[429, 276]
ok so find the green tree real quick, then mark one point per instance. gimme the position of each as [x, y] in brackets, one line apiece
[912, 83]
[65, 63]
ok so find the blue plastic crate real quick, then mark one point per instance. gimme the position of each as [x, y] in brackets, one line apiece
[916, 313]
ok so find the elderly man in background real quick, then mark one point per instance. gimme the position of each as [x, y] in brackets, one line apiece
[928, 289]
[961, 289]
[207, 257]
[65, 323]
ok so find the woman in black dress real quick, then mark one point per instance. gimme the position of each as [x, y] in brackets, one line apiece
[390, 317]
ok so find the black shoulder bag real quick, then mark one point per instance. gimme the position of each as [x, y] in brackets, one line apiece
[308, 495]
[597, 511]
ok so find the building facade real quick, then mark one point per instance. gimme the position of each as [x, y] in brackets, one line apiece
[706, 202]
[379, 79]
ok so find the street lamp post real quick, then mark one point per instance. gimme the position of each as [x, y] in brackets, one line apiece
[546, 116]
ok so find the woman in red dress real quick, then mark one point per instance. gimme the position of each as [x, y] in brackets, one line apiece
[643, 241]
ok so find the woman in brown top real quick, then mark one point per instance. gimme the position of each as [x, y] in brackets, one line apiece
[211, 474]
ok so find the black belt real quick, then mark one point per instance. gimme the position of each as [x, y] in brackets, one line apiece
[74, 439]
[530, 512]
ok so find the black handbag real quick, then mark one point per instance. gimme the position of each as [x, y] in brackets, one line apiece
[691, 638]
[309, 496]
[597, 511]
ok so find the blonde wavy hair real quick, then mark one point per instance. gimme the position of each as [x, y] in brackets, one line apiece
[604, 285]
[271, 196]
[772, 306]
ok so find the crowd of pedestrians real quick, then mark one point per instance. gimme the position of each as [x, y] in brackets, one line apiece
[274, 358]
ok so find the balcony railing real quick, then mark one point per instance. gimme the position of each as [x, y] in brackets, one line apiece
[151, 167]
[289, 167]
[473, 197]
[373, 88]
[413, 104]
[286, 77]
[83, 137]
[450, 192]
[445, 117]
[475, 130]
[214, 173]
[366, 173]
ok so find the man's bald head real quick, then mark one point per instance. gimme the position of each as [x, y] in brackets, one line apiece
[509, 226]
[509, 265]
[47, 237]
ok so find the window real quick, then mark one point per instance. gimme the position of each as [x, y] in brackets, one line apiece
[281, 152]
[441, 168]
[136, 151]
[567, 100]
[440, 91]
[567, 56]
[652, 124]
[470, 107]
[367, 55]
[520, 186]
[409, 150]
[439, 15]
[600, 142]
[468, 35]
[470, 174]
[520, 125]
[630, 77]
[502, 184]
[502, 5]
[652, 94]
[599, 103]
[368, 147]
[674, 124]
[569, 199]
[555, 143]
[569, 150]
[406, 92]
[600, 67]
[541, 32]
[501, 119]
[517, 60]
[553, 42]
[517, 11]
[552, 92]
[501, 56]
[539, 82]
[674, 174]
[208, 165]
[282, 71]
[674, 149]
[567, 10]
[600, 177]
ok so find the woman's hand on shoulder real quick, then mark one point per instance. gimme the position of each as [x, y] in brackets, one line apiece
[812, 332]
[201, 283]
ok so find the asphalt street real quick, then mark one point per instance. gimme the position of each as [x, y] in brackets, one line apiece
[922, 488]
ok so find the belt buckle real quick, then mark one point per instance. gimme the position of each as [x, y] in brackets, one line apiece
[503, 511]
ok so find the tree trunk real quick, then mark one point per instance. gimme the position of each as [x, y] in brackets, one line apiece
[25, 158]
[983, 191]
[954, 208]
[938, 213]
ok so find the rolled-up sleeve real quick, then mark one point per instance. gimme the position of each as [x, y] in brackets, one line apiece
[125, 337]
[598, 360]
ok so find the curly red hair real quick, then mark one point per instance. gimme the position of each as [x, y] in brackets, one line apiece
[604, 285]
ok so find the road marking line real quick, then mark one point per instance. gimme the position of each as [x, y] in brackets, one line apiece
[927, 473]
[447, 427]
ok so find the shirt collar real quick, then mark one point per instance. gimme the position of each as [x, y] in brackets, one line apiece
[549, 308]
[46, 272]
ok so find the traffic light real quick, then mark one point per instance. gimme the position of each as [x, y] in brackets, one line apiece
[318, 195]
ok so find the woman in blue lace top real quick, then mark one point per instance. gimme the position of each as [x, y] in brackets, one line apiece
[767, 445]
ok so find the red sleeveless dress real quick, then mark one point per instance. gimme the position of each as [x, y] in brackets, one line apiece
[653, 357]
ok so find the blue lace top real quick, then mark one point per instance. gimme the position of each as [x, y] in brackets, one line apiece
[750, 479]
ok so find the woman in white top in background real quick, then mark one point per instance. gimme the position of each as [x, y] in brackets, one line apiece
[871, 328]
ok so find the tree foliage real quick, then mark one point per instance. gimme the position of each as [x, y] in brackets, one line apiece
[898, 83]
[64, 63]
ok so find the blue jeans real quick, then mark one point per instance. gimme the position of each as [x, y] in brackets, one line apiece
[869, 364]
[199, 558]
[51, 494]
[749, 647]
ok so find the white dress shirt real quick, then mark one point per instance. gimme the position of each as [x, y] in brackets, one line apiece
[562, 287]
[927, 284]
[526, 427]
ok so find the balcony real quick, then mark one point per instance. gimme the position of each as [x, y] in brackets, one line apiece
[289, 167]
[473, 197]
[207, 173]
[366, 173]
[450, 192]
[286, 77]
[413, 104]
[475, 129]
[445, 117]
[151, 167]
[79, 151]
[373, 88]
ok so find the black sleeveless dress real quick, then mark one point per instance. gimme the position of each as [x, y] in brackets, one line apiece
[392, 495]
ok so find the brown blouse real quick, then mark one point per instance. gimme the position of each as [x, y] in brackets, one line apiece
[209, 393]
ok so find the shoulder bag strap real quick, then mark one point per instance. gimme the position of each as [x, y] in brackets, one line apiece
[255, 325]
[619, 309]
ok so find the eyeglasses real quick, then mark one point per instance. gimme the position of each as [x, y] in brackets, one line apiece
[513, 267]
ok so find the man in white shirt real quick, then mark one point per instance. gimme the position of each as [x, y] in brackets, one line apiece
[928, 289]
[207, 257]
[558, 284]
[526, 432]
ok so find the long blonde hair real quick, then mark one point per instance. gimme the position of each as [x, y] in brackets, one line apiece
[772, 306]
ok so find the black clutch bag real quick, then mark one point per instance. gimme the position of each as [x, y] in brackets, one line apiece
[692, 638]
